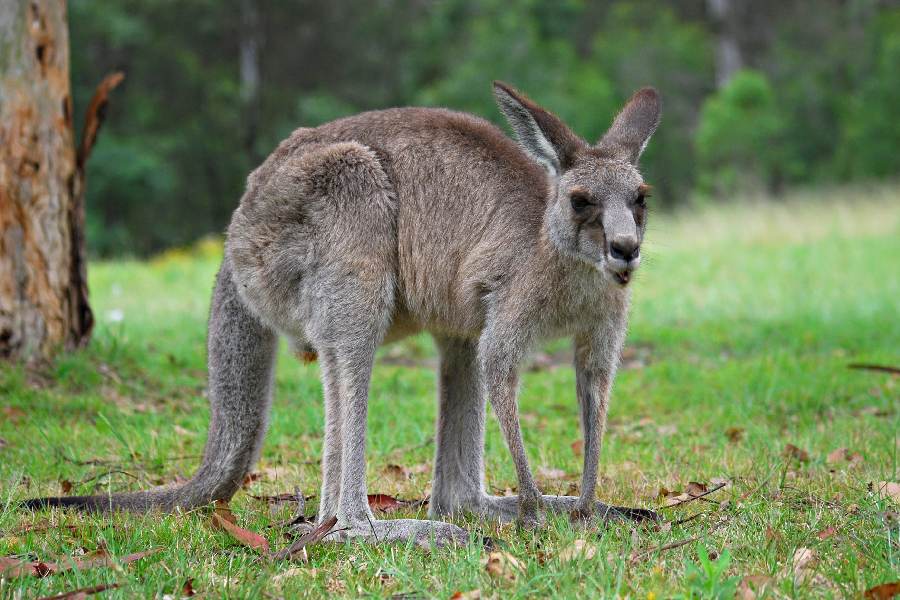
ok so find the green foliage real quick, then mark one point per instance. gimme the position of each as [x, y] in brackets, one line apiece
[707, 579]
[871, 128]
[739, 135]
[819, 103]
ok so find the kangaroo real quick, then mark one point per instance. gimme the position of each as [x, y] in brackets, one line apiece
[374, 227]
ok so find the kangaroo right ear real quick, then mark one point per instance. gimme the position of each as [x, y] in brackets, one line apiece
[628, 135]
[541, 133]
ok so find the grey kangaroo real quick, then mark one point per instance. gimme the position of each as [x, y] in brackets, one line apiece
[373, 227]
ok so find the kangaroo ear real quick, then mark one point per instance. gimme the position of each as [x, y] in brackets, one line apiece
[541, 133]
[630, 132]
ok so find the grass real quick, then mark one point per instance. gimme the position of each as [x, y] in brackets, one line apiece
[744, 320]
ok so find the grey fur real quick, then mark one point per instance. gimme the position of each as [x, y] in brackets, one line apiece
[373, 227]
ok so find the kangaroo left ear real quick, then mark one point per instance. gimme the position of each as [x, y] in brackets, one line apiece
[628, 135]
[541, 133]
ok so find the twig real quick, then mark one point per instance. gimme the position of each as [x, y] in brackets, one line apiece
[300, 544]
[689, 519]
[697, 497]
[636, 557]
[81, 592]
[871, 367]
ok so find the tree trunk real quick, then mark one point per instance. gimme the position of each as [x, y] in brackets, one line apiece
[43, 290]
[728, 50]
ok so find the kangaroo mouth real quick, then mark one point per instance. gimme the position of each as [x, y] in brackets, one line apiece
[622, 277]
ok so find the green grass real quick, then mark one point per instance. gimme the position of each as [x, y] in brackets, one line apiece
[744, 317]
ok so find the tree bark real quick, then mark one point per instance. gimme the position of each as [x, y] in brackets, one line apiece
[729, 59]
[43, 289]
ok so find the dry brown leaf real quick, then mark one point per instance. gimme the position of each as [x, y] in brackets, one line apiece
[837, 456]
[401, 471]
[752, 587]
[803, 561]
[826, 533]
[82, 592]
[385, 503]
[792, 452]
[187, 589]
[470, 595]
[548, 473]
[292, 572]
[889, 490]
[502, 565]
[66, 486]
[245, 537]
[734, 434]
[885, 591]
[224, 511]
[297, 549]
[667, 430]
[695, 488]
[13, 414]
[578, 447]
[581, 549]
[12, 567]
[249, 478]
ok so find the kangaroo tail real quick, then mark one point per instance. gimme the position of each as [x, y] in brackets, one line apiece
[241, 361]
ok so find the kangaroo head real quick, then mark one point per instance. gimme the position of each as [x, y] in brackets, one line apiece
[596, 211]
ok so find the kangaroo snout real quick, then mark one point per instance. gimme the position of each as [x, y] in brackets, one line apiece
[624, 257]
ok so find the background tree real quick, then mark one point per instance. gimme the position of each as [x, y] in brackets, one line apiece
[43, 287]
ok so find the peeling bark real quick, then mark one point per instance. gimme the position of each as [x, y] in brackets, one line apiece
[43, 290]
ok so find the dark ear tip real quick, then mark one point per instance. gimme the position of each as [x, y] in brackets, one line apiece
[648, 95]
[503, 86]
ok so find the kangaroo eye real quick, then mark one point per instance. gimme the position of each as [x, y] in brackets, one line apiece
[580, 202]
[641, 201]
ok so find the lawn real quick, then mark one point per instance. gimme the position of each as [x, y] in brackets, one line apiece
[744, 321]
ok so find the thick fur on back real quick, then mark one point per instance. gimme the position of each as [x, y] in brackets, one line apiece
[446, 202]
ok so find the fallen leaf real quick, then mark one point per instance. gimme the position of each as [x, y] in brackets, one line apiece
[889, 489]
[297, 549]
[548, 473]
[406, 472]
[885, 591]
[826, 533]
[66, 486]
[292, 572]
[578, 549]
[182, 431]
[793, 452]
[12, 567]
[249, 478]
[734, 434]
[82, 592]
[245, 537]
[385, 503]
[188, 588]
[470, 595]
[275, 473]
[803, 561]
[224, 511]
[14, 414]
[695, 488]
[502, 565]
[578, 447]
[752, 587]
[837, 456]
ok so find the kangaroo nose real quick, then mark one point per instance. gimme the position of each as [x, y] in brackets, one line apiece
[625, 248]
